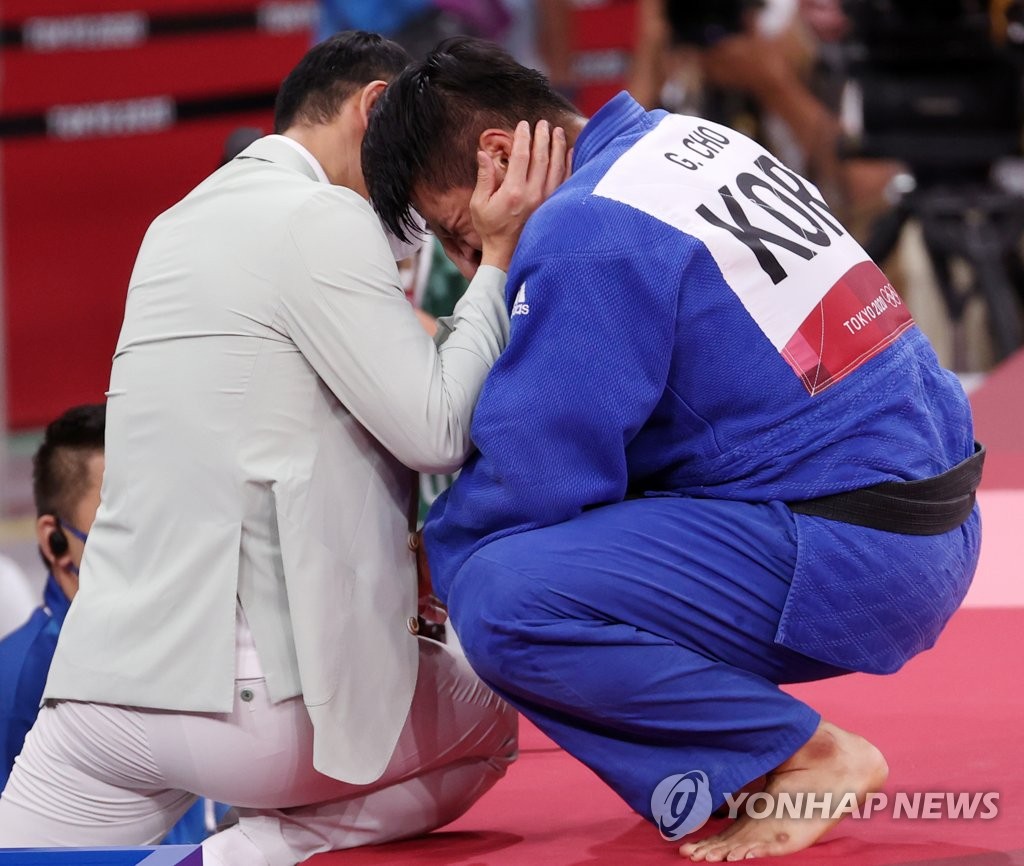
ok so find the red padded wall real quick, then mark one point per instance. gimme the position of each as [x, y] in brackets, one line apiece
[74, 211]
[603, 35]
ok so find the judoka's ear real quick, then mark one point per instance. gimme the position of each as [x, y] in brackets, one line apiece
[368, 96]
[497, 144]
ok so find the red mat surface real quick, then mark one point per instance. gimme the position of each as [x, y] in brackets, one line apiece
[950, 721]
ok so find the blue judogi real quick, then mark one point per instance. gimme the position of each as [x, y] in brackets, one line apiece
[25, 657]
[695, 341]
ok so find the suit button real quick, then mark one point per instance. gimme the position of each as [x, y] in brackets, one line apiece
[246, 695]
[413, 625]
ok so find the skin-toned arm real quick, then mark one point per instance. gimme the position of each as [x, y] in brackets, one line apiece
[553, 38]
[754, 64]
[647, 74]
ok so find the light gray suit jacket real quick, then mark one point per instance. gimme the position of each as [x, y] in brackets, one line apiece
[269, 383]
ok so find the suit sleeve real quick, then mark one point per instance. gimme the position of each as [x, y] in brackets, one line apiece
[345, 311]
[586, 364]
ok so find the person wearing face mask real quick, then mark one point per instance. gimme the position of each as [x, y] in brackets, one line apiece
[67, 472]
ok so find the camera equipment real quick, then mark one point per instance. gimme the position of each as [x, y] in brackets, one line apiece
[704, 22]
[928, 83]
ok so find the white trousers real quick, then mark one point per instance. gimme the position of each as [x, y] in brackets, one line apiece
[101, 775]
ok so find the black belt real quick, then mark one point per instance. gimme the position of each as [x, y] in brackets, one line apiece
[930, 506]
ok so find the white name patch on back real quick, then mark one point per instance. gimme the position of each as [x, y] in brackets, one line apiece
[809, 286]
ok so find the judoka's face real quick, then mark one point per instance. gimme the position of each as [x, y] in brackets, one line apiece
[448, 217]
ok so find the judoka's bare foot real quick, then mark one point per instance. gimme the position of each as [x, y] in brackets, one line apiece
[831, 761]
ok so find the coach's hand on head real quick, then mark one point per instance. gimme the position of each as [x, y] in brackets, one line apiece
[515, 177]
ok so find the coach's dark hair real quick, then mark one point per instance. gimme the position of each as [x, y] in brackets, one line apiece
[426, 126]
[333, 70]
[60, 474]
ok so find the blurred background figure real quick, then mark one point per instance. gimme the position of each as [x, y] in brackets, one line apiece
[938, 86]
[754, 65]
[416, 25]
[67, 475]
[535, 32]
[238, 140]
[134, 108]
[539, 35]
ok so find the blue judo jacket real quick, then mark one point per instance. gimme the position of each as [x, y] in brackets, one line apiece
[690, 319]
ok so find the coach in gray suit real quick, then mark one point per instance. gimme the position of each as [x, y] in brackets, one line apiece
[246, 624]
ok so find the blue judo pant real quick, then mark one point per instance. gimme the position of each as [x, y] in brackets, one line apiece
[640, 637]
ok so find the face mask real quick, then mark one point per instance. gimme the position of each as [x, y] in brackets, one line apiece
[77, 533]
[404, 249]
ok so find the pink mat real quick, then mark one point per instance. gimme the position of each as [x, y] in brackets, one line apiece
[950, 721]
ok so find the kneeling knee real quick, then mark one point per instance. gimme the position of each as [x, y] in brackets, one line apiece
[487, 604]
[488, 645]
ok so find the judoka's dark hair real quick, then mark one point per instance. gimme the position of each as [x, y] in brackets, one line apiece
[59, 471]
[426, 126]
[333, 70]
